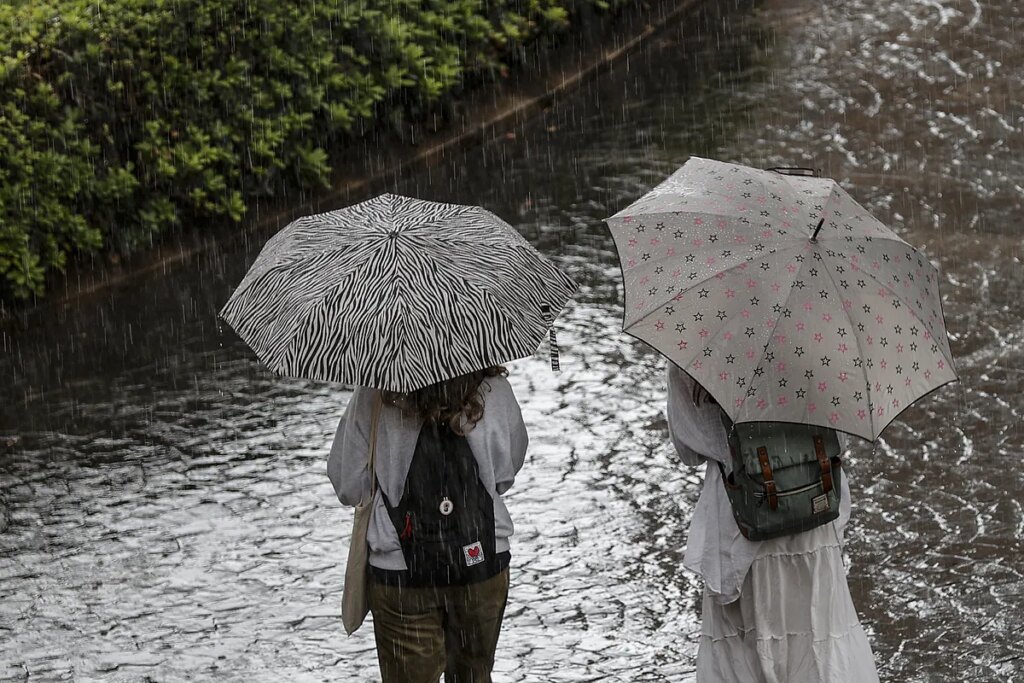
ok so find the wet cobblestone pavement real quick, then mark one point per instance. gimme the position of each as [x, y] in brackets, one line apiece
[164, 509]
[204, 539]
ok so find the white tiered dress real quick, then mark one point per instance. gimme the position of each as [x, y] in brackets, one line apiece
[776, 611]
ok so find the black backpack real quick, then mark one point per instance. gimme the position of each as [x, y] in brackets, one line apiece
[445, 518]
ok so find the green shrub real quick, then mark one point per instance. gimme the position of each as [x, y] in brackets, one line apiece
[122, 119]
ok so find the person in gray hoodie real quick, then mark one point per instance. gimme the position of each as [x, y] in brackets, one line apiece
[424, 627]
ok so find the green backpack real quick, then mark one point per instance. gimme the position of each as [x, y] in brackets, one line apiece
[785, 477]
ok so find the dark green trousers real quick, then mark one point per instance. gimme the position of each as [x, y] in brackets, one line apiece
[422, 632]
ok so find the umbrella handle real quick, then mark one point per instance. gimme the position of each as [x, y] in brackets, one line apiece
[814, 237]
[796, 170]
[545, 312]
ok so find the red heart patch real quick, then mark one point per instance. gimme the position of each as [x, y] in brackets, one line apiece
[473, 552]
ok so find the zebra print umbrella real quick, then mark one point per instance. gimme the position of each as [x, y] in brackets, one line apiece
[396, 293]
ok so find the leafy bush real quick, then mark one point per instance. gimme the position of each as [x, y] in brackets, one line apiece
[122, 119]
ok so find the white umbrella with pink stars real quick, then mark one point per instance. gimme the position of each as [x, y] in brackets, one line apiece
[782, 296]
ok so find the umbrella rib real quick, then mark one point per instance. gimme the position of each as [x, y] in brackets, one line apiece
[897, 295]
[662, 212]
[860, 349]
[714, 191]
[914, 313]
[778, 320]
[401, 320]
[712, 276]
[319, 302]
[864, 370]
[433, 241]
[297, 259]
[290, 259]
[623, 265]
[487, 291]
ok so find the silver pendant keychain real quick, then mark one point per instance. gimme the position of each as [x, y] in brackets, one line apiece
[446, 507]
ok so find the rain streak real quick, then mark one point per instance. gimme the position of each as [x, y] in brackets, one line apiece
[165, 513]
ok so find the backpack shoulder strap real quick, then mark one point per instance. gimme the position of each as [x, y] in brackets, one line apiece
[730, 429]
[371, 460]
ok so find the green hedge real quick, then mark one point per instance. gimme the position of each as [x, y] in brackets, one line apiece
[122, 119]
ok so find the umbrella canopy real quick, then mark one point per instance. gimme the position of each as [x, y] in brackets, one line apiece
[396, 293]
[782, 296]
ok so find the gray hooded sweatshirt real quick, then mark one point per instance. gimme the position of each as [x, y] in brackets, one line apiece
[498, 442]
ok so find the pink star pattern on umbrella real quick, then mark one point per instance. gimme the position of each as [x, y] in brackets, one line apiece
[722, 276]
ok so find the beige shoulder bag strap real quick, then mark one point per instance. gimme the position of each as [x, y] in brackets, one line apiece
[354, 602]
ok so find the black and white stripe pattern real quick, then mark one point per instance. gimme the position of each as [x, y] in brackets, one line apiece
[395, 293]
[545, 312]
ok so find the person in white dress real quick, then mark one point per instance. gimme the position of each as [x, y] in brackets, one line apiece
[775, 611]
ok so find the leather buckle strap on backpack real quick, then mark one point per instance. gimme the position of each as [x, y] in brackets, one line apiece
[823, 462]
[769, 478]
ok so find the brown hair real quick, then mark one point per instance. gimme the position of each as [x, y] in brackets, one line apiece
[456, 401]
[702, 395]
